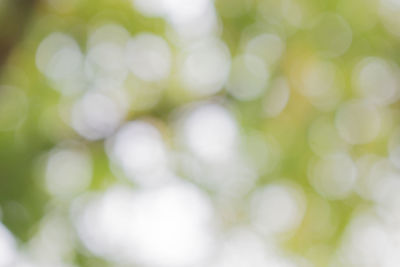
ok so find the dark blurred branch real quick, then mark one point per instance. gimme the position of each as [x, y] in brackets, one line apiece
[14, 19]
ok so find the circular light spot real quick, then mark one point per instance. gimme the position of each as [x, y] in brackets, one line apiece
[183, 11]
[59, 58]
[186, 30]
[333, 35]
[205, 67]
[268, 47]
[333, 176]
[248, 78]
[277, 209]
[376, 80]
[96, 115]
[68, 171]
[210, 132]
[148, 57]
[366, 243]
[293, 13]
[378, 182]
[358, 122]
[319, 82]
[139, 149]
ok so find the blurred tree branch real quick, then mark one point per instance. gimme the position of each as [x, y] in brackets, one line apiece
[14, 19]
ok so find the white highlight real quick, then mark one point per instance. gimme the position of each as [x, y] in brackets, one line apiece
[139, 149]
[164, 227]
[210, 132]
[96, 115]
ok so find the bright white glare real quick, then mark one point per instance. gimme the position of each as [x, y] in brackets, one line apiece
[139, 149]
[96, 115]
[394, 148]
[148, 56]
[169, 226]
[377, 81]
[108, 33]
[176, 10]
[189, 20]
[276, 97]
[333, 35]
[205, 67]
[333, 176]
[197, 28]
[68, 171]
[358, 122]
[268, 47]
[59, 58]
[277, 208]
[106, 59]
[8, 252]
[248, 77]
[183, 11]
[318, 82]
[323, 137]
[210, 132]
